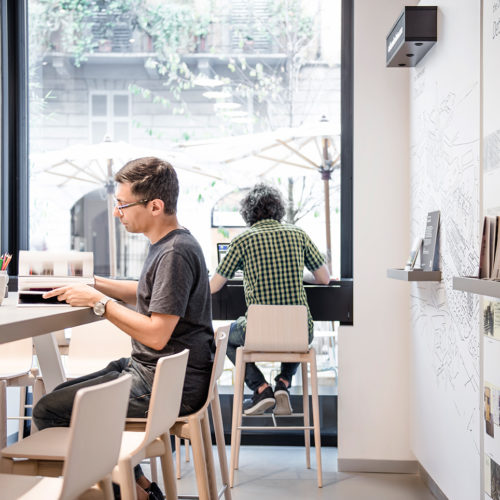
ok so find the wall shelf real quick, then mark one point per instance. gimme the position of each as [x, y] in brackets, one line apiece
[478, 286]
[414, 275]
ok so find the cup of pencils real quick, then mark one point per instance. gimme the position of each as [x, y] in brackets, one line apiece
[4, 277]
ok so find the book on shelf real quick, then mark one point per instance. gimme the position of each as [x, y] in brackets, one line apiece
[416, 250]
[40, 272]
[484, 255]
[495, 261]
[489, 256]
[430, 248]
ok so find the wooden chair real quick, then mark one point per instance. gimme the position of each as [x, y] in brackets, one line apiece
[154, 441]
[195, 428]
[91, 447]
[16, 370]
[277, 333]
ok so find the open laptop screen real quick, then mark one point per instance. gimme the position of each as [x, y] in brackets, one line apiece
[222, 249]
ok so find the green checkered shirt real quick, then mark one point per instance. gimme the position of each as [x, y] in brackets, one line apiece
[272, 256]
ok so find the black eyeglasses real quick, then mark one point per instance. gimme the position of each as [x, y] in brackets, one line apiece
[120, 208]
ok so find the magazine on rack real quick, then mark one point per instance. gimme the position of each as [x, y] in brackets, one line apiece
[416, 251]
[40, 272]
[430, 248]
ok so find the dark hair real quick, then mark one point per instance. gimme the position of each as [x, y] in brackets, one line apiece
[151, 178]
[262, 202]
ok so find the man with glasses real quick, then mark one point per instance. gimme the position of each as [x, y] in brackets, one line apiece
[172, 303]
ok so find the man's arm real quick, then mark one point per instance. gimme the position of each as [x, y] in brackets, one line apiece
[154, 331]
[124, 290]
[217, 282]
[322, 275]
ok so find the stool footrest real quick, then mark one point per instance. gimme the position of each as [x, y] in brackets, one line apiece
[275, 427]
[273, 415]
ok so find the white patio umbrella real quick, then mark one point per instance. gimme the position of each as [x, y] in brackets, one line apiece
[306, 150]
[96, 164]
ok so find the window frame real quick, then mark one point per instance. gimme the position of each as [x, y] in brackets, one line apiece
[14, 231]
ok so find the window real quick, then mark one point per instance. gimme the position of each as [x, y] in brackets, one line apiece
[212, 80]
[109, 116]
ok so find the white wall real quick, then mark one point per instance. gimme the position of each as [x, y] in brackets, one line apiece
[409, 367]
[445, 168]
[374, 353]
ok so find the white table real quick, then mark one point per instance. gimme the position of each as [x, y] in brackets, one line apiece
[39, 322]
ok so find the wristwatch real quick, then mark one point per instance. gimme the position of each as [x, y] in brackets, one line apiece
[100, 307]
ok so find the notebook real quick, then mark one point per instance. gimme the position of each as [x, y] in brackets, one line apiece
[40, 272]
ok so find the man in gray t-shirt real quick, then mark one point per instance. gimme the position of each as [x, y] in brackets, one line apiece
[172, 303]
[177, 258]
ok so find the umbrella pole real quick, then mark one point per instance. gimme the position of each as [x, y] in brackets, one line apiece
[326, 185]
[111, 221]
[326, 172]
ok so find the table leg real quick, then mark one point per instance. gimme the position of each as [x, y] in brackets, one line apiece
[49, 360]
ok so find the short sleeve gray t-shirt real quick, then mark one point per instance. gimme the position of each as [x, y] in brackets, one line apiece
[174, 280]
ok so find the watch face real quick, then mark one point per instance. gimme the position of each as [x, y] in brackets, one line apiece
[99, 308]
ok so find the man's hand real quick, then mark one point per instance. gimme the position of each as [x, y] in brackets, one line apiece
[76, 295]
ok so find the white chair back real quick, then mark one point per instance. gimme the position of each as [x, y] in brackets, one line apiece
[16, 357]
[280, 328]
[221, 338]
[96, 429]
[166, 395]
[94, 345]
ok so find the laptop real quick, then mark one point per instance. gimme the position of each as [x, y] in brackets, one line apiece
[222, 249]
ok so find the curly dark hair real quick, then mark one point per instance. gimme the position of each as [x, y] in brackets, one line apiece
[152, 178]
[262, 202]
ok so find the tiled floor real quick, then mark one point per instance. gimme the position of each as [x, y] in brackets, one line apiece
[279, 473]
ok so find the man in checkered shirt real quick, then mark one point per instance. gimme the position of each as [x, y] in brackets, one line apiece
[272, 256]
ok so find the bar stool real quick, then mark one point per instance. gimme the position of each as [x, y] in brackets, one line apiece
[195, 428]
[16, 370]
[277, 333]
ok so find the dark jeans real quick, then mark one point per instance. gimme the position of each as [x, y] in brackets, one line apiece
[253, 376]
[54, 409]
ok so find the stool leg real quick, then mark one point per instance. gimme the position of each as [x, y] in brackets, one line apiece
[3, 414]
[240, 410]
[315, 407]
[199, 458]
[209, 457]
[106, 487]
[127, 482]
[38, 392]
[178, 456]
[154, 469]
[22, 412]
[221, 444]
[167, 467]
[305, 410]
[237, 411]
[186, 449]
